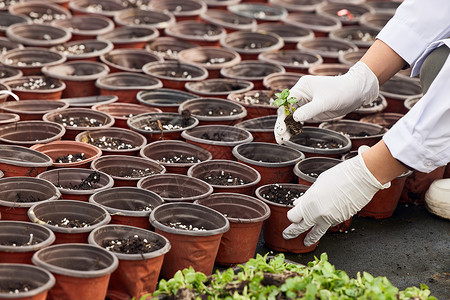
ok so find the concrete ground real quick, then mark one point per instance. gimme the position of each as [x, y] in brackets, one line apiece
[409, 248]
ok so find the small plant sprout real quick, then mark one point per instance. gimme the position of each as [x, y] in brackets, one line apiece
[287, 102]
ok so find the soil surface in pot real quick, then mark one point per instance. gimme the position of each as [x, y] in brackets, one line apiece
[182, 226]
[89, 183]
[131, 245]
[361, 35]
[282, 195]
[217, 111]
[67, 223]
[257, 98]
[224, 178]
[26, 198]
[67, 120]
[20, 243]
[321, 144]
[167, 125]
[70, 158]
[45, 16]
[131, 172]
[74, 49]
[355, 134]
[218, 136]
[108, 143]
[16, 287]
[34, 84]
[179, 159]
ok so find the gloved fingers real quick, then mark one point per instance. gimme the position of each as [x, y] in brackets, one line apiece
[301, 89]
[315, 234]
[281, 138]
[308, 111]
[294, 230]
[280, 127]
[295, 214]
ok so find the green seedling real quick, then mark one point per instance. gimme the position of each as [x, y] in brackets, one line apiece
[287, 102]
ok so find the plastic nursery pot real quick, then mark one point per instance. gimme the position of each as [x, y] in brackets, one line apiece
[114, 141]
[30, 60]
[127, 170]
[298, 5]
[105, 8]
[7, 73]
[36, 87]
[22, 161]
[8, 45]
[347, 13]
[38, 35]
[176, 187]
[88, 102]
[280, 81]
[25, 275]
[138, 270]
[261, 128]
[361, 36]
[309, 169]
[256, 102]
[252, 70]
[130, 36]
[187, 10]
[418, 183]
[384, 6]
[90, 50]
[32, 109]
[20, 240]
[290, 34]
[292, 60]
[167, 100]
[226, 176]
[196, 248]
[261, 12]
[76, 120]
[176, 156]
[81, 271]
[396, 90]
[128, 60]
[246, 216]
[161, 126]
[250, 44]
[373, 108]
[126, 85]
[328, 48]
[6, 118]
[121, 112]
[28, 133]
[387, 120]
[315, 141]
[217, 139]
[220, 4]
[85, 27]
[320, 25]
[69, 154]
[71, 221]
[411, 101]
[40, 12]
[274, 162]
[79, 77]
[168, 47]
[153, 19]
[197, 32]
[328, 69]
[10, 19]
[76, 183]
[360, 133]
[277, 222]
[375, 20]
[175, 75]
[18, 194]
[228, 20]
[211, 58]
[352, 57]
[128, 205]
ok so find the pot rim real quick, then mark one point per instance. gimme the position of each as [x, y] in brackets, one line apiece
[111, 35]
[322, 10]
[306, 21]
[47, 161]
[247, 35]
[411, 101]
[315, 70]
[12, 118]
[37, 125]
[239, 9]
[271, 57]
[288, 39]
[133, 12]
[16, 73]
[291, 162]
[207, 17]
[231, 97]
[183, 13]
[99, 83]
[382, 130]
[29, 227]
[60, 88]
[301, 187]
[225, 72]
[367, 18]
[187, 136]
[263, 118]
[326, 53]
[19, 5]
[141, 97]
[84, 101]
[205, 50]
[122, 52]
[14, 106]
[267, 80]
[163, 114]
[240, 115]
[376, 109]
[402, 80]
[171, 31]
[48, 118]
[297, 7]
[109, 24]
[338, 33]
[11, 34]
[202, 70]
[19, 18]
[75, 7]
[35, 52]
[344, 59]
[124, 108]
[306, 177]
[190, 86]
[50, 71]
[108, 46]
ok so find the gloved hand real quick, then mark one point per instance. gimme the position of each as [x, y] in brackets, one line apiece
[280, 130]
[335, 196]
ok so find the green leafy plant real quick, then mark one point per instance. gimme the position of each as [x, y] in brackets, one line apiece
[283, 99]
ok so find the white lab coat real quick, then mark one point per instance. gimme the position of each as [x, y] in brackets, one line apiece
[421, 139]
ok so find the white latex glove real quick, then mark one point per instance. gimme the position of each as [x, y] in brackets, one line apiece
[280, 130]
[336, 195]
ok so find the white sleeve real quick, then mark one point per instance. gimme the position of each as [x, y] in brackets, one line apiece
[421, 139]
[415, 25]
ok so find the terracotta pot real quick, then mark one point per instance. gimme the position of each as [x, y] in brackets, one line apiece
[28, 133]
[375, 20]
[204, 243]
[280, 81]
[217, 139]
[352, 57]
[186, 10]
[352, 15]
[128, 205]
[19, 274]
[106, 8]
[250, 44]
[79, 77]
[7, 73]
[197, 32]
[32, 109]
[38, 35]
[249, 175]
[6, 118]
[40, 12]
[228, 20]
[154, 19]
[360, 133]
[36, 87]
[85, 27]
[88, 102]
[252, 70]
[328, 69]
[169, 152]
[127, 170]
[99, 120]
[261, 128]
[134, 141]
[130, 36]
[319, 24]
[167, 100]
[418, 183]
[81, 271]
[126, 85]
[387, 120]
[290, 34]
[137, 273]
[292, 60]
[176, 187]
[361, 36]
[18, 194]
[298, 5]
[128, 60]
[309, 169]
[274, 162]
[67, 178]
[246, 215]
[174, 125]
[219, 87]
[30, 60]
[212, 59]
[168, 47]
[20, 240]
[256, 102]
[261, 12]
[84, 49]
[9, 19]
[375, 107]
[396, 90]
[277, 222]
[58, 149]
[328, 48]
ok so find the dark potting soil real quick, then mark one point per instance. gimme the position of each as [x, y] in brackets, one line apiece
[89, 183]
[147, 207]
[282, 195]
[131, 172]
[67, 223]
[321, 144]
[356, 134]
[108, 143]
[48, 16]
[18, 243]
[21, 198]
[16, 287]
[294, 127]
[76, 49]
[180, 159]
[224, 178]
[70, 158]
[256, 98]
[160, 125]
[32, 83]
[180, 225]
[66, 120]
[131, 245]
